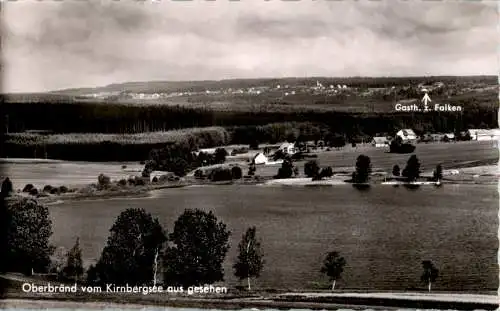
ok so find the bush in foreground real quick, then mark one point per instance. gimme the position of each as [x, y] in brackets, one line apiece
[135, 240]
[200, 244]
[28, 232]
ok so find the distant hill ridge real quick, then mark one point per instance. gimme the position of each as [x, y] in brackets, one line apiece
[176, 86]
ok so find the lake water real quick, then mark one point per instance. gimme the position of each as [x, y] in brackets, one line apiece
[383, 233]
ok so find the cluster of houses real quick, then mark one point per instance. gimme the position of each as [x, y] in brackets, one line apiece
[409, 136]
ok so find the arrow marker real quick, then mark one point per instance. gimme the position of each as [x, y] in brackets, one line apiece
[425, 100]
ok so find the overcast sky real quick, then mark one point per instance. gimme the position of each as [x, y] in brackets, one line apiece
[51, 45]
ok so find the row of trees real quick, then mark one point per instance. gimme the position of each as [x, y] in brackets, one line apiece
[193, 254]
[137, 248]
[363, 170]
[119, 118]
[333, 266]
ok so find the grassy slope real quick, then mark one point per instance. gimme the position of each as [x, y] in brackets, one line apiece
[237, 300]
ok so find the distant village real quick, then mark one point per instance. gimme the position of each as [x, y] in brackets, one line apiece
[282, 91]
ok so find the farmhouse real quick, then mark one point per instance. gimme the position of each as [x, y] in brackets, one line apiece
[484, 134]
[260, 158]
[287, 148]
[407, 135]
[437, 137]
[449, 137]
[380, 141]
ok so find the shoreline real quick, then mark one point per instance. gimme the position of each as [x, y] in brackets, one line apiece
[148, 191]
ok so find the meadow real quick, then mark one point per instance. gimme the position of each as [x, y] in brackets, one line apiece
[79, 173]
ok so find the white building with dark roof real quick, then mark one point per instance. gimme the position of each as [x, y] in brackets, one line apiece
[380, 141]
[407, 135]
[484, 134]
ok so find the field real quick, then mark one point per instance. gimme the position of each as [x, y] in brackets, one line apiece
[159, 137]
[59, 173]
[450, 155]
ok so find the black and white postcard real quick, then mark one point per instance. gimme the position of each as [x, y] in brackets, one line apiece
[310, 154]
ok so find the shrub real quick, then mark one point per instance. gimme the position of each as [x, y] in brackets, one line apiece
[131, 181]
[103, 180]
[286, 169]
[311, 169]
[326, 172]
[396, 170]
[146, 173]
[221, 174]
[28, 188]
[33, 191]
[236, 172]
[251, 169]
[438, 173]
[363, 169]
[47, 188]
[220, 155]
[124, 167]
[412, 169]
[166, 177]
[54, 190]
[63, 189]
[139, 182]
[198, 174]
[122, 182]
[155, 179]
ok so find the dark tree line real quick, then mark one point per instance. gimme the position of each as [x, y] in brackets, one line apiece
[120, 118]
[180, 158]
